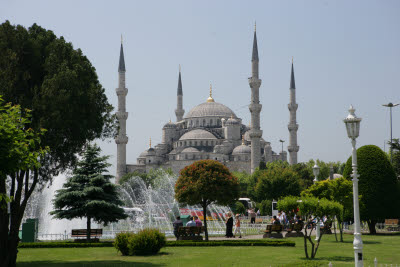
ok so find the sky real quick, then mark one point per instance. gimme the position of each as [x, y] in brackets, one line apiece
[345, 52]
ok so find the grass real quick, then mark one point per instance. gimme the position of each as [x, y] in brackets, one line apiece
[385, 248]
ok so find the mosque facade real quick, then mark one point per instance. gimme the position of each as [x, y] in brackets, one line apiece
[210, 130]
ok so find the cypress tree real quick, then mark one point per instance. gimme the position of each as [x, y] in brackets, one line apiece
[89, 193]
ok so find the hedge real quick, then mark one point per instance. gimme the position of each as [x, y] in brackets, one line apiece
[64, 245]
[186, 243]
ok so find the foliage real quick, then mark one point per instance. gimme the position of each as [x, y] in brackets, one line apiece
[45, 74]
[205, 182]
[275, 183]
[146, 242]
[67, 244]
[89, 193]
[324, 171]
[149, 178]
[307, 207]
[239, 208]
[20, 149]
[244, 179]
[395, 146]
[339, 190]
[265, 208]
[121, 242]
[377, 185]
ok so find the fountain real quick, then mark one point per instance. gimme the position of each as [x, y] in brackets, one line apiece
[146, 205]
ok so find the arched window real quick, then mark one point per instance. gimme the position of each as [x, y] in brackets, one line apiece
[211, 122]
[195, 143]
[197, 122]
[204, 122]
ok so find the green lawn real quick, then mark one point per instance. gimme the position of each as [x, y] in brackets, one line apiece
[385, 248]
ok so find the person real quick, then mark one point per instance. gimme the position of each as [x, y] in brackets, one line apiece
[198, 221]
[252, 216]
[237, 226]
[298, 220]
[177, 223]
[275, 220]
[258, 212]
[191, 222]
[229, 226]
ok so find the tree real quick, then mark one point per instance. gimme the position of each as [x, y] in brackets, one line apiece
[395, 146]
[377, 185]
[206, 182]
[89, 193]
[244, 179]
[20, 150]
[307, 207]
[45, 74]
[266, 207]
[276, 183]
[339, 190]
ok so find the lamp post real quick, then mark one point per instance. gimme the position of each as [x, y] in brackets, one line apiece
[390, 106]
[353, 130]
[315, 170]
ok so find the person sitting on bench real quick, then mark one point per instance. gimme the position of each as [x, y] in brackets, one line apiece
[275, 220]
[298, 220]
[176, 225]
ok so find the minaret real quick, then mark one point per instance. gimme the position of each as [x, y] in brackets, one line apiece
[179, 111]
[293, 148]
[121, 140]
[255, 108]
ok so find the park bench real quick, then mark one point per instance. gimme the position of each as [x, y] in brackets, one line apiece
[190, 232]
[295, 230]
[392, 224]
[271, 228]
[80, 234]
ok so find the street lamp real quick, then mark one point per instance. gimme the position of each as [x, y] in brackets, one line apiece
[315, 170]
[390, 105]
[282, 141]
[353, 130]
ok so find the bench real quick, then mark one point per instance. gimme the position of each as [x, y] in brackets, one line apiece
[190, 232]
[392, 224]
[295, 230]
[82, 233]
[277, 228]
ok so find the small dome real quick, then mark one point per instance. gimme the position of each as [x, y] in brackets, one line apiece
[190, 150]
[197, 134]
[151, 152]
[210, 109]
[232, 121]
[242, 149]
[173, 152]
[169, 125]
[143, 154]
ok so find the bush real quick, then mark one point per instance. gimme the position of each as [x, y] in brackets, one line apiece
[121, 242]
[239, 208]
[266, 207]
[63, 245]
[146, 242]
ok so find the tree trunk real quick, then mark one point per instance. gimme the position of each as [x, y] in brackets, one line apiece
[334, 227]
[88, 230]
[371, 226]
[205, 219]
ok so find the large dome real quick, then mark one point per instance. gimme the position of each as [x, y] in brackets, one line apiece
[197, 134]
[210, 109]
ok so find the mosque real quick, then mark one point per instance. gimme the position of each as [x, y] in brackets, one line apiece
[210, 130]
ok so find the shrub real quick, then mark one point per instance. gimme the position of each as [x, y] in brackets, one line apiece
[146, 242]
[121, 242]
[377, 185]
[266, 207]
[239, 208]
